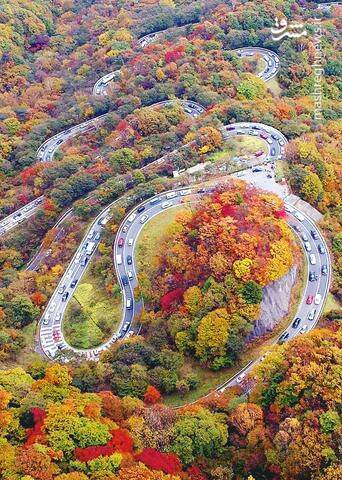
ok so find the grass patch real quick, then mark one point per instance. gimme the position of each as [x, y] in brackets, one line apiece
[92, 314]
[280, 170]
[239, 146]
[150, 237]
[331, 304]
[274, 87]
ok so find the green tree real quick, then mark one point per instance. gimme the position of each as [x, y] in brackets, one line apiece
[21, 312]
[201, 433]
[252, 292]
[123, 160]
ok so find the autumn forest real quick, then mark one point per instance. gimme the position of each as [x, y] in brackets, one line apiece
[175, 355]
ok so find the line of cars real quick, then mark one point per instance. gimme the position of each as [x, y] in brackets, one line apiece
[125, 245]
[271, 59]
[20, 215]
[270, 135]
[312, 298]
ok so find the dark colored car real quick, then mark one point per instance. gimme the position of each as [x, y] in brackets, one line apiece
[283, 337]
[321, 249]
[296, 322]
[314, 234]
[141, 209]
[273, 151]
[129, 260]
[73, 283]
[124, 280]
[121, 242]
[324, 270]
[313, 276]
[65, 296]
[84, 261]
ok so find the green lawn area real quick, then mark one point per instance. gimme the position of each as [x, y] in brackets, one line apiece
[239, 146]
[274, 87]
[150, 237]
[92, 314]
[331, 304]
[280, 169]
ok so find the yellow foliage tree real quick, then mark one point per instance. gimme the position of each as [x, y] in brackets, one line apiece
[212, 334]
[242, 268]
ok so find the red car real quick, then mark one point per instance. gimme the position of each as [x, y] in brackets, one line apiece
[264, 135]
[309, 300]
[121, 242]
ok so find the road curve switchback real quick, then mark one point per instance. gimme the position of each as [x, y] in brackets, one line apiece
[47, 150]
[314, 246]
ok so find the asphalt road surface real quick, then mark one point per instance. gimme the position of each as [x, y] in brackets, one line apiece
[271, 59]
[51, 334]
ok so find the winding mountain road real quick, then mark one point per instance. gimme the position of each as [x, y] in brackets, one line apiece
[314, 247]
[47, 150]
[51, 332]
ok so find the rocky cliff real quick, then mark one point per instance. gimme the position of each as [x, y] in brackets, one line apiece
[275, 303]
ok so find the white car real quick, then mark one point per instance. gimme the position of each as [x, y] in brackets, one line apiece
[58, 317]
[240, 377]
[312, 314]
[143, 219]
[299, 216]
[130, 274]
[166, 204]
[303, 329]
[132, 217]
[289, 209]
[125, 228]
[305, 237]
[46, 319]
[171, 195]
[281, 142]
[318, 298]
[130, 242]
[312, 259]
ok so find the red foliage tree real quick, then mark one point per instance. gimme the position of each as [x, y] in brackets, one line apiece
[48, 205]
[38, 298]
[171, 297]
[281, 213]
[35, 434]
[175, 54]
[166, 462]
[120, 442]
[195, 473]
[228, 210]
[152, 395]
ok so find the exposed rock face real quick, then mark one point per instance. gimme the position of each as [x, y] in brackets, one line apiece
[275, 304]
